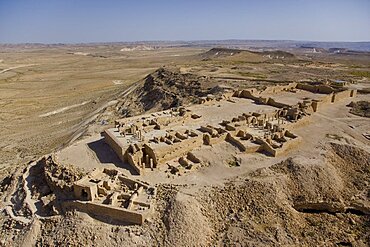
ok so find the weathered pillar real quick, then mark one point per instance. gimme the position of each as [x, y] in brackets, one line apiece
[147, 159]
[151, 164]
[140, 190]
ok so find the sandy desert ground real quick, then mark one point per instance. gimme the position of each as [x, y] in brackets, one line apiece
[48, 96]
[59, 99]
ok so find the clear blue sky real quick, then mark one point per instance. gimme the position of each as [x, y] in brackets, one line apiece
[73, 21]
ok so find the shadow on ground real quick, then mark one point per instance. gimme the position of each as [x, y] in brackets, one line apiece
[105, 154]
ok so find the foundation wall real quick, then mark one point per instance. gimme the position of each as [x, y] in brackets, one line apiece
[228, 95]
[307, 87]
[149, 151]
[169, 152]
[266, 147]
[324, 89]
[234, 141]
[289, 145]
[91, 192]
[317, 105]
[113, 142]
[327, 99]
[262, 100]
[215, 140]
[130, 183]
[253, 148]
[247, 94]
[112, 212]
[134, 161]
[301, 123]
[315, 89]
[193, 158]
[274, 103]
[279, 88]
[207, 129]
[341, 95]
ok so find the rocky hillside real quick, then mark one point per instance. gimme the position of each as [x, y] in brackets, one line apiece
[360, 108]
[297, 202]
[166, 88]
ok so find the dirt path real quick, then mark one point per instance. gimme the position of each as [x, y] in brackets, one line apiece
[63, 109]
[82, 127]
[16, 67]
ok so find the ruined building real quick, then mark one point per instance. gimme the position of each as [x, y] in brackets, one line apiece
[148, 141]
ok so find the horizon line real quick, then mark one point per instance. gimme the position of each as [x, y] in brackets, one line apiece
[176, 41]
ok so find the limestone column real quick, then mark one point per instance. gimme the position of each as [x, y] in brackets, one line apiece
[147, 159]
[151, 164]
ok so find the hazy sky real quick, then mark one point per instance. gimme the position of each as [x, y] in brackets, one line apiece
[73, 21]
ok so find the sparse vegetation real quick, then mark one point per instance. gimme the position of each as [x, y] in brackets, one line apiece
[361, 73]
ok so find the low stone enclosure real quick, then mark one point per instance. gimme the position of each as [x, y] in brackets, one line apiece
[148, 141]
[108, 193]
[105, 193]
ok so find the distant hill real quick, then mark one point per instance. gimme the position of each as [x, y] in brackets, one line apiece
[220, 52]
[234, 44]
[245, 55]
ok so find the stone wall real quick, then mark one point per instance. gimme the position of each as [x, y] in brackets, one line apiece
[115, 213]
[91, 191]
[165, 152]
[191, 156]
[113, 142]
[342, 95]
[266, 147]
[324, 89]
[135, 161]
[292, 143]
[248, 94]
[149, 151]
[234, 141]
[274, 103]
[279, 88]
[318, 104]
[209, 140]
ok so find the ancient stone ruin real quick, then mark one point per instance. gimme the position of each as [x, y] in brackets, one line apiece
[261, 121]
[250, 120]
[102, 192]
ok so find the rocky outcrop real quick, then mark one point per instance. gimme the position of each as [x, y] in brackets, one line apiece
[298, 201]
[166, 88]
